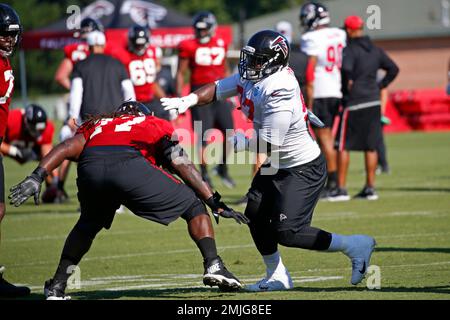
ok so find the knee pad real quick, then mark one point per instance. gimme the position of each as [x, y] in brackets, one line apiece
[198, 208]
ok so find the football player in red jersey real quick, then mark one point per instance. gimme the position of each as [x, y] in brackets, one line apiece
[76, 51]
[10, 33]
[142, 61]
[29, 136]
[205, 57]
[118, 157]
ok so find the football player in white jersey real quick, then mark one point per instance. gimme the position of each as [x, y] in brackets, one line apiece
[281, 204]
[323, 45]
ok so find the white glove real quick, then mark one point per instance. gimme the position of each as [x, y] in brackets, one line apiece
[179, 104]
[240, 142]
[14, 151]
[173, 114]
[65, 133]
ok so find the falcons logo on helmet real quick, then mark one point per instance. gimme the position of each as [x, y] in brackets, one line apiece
[143, 13]
[97, 10]
[279, 44]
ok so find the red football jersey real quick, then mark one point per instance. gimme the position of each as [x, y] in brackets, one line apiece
[142, 71]
[6, 91]
[144, 133]
[76, 51]
[79, 51]
[206, 60]
[15, 133]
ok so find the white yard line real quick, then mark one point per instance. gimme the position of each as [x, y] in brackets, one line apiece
[321, 217]
[220, 249]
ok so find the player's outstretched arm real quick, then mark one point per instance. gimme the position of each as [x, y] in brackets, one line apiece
[203, 95]
[31, 185]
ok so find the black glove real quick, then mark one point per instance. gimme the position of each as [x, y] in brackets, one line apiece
[221, 209]
[25, 154]
[31, 186]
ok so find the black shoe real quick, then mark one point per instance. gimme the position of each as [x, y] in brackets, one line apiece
[222, 172]
[242, 201]
[8, 290]
[55, 290]
[367, 193]
[217, 275]
[338, 194]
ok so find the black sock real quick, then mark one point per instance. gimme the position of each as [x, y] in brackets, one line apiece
[60, 184]
[332, 180]
[208, 248]
[64, 270]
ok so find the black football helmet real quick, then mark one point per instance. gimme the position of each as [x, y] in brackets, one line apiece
[134, 108]
[313, 14]
[204, 24]
[88, 25]
[138, 39]
[10, 30]
[35, 119]
[266, 52]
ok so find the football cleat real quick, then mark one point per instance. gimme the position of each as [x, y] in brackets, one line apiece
[338, 194]
[8, 290]
[367, 193]
[54, 290]
[276, 282]
[216, 274]
[359, 251]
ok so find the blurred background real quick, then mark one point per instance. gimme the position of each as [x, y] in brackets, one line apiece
[415, 33]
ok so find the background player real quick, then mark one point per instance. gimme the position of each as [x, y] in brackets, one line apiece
[324, 46]
[10, 33]
[142, 61]
[76, 51]
[73, 53]
[205, 57]
[29, 136]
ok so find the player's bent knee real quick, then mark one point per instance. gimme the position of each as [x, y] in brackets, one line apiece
[88, 228]
[306, 238]
[198, 208]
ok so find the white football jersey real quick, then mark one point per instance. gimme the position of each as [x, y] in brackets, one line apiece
[327, 45]
[276, 107]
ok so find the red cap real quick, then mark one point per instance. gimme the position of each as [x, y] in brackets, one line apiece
[353, 22]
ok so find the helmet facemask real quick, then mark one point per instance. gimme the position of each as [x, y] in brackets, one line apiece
[138, 45]
[9, 40]
[255, 66]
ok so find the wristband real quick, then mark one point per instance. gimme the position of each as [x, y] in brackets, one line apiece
[213, 201]
[41, 173]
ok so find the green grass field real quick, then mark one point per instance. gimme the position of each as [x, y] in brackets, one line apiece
[138, 259]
